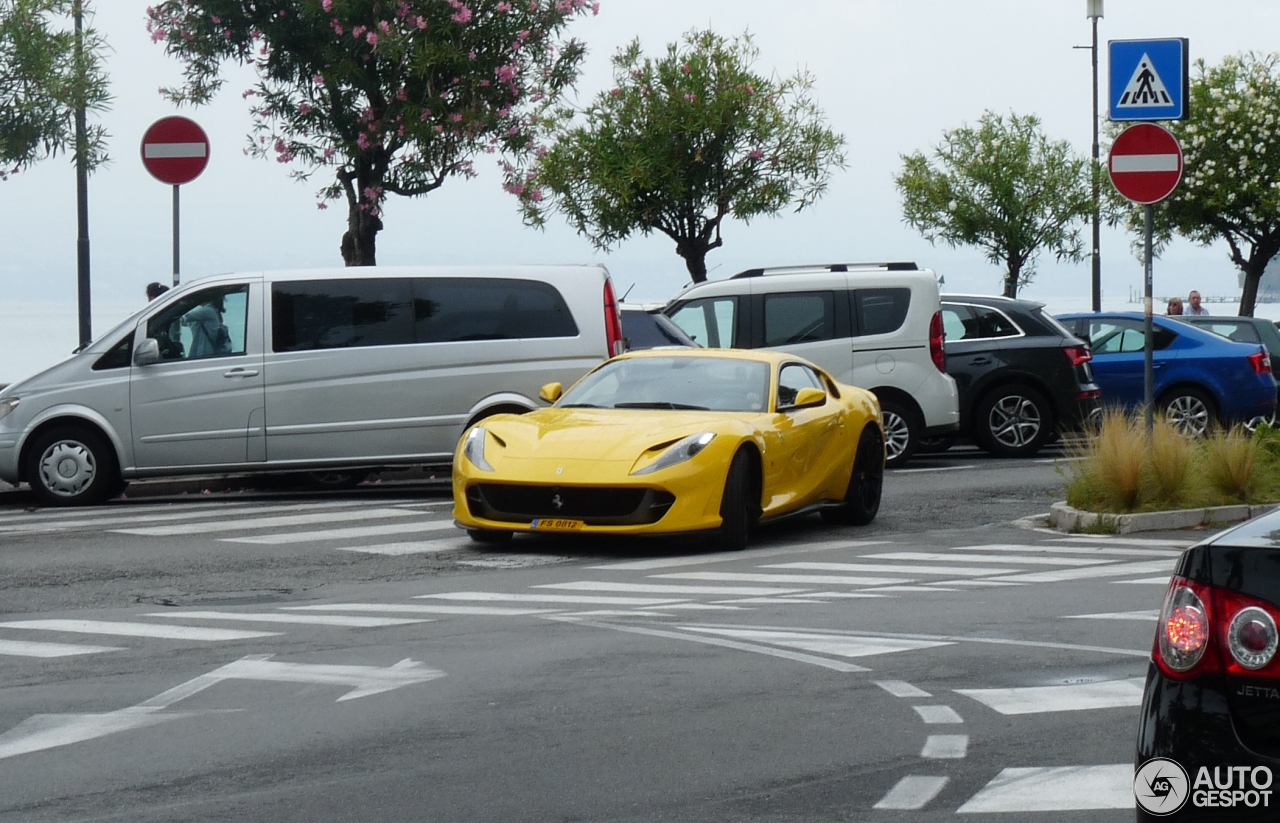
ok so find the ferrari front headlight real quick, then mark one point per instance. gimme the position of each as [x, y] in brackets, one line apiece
[7, 405]
[679, 452]
[473, 448]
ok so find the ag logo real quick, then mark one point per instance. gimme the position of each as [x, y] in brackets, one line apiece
[1161, 786]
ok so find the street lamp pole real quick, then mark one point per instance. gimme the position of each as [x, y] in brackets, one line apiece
[82, 184]
[1094, 11]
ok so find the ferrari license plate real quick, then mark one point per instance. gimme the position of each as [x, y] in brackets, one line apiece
[550, 524]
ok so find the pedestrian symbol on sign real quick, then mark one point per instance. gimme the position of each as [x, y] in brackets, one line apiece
[1145, 88]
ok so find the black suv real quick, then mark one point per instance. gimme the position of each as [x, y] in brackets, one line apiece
[1022, 375]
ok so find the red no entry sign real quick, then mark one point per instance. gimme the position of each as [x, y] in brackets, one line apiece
[175, 150]
[1145, 163]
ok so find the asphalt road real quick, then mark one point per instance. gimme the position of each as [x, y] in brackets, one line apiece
[350, 657]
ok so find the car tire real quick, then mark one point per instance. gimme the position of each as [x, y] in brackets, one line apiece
[901, 433]
[1190, 410]
[72, 466]
[935, 445]
[866, 483]
[739, 513]
[488, 537]
[1013, 421]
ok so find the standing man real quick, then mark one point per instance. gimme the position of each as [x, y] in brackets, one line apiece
[1194, 306]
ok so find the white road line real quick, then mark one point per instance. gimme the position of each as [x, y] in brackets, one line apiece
[420, 547]
[1162, 580]
[945, 746]
[835, 644]
[987, 558]
[938, 714]
[1061, 549]
[283, 521]
[276, 617]
[720, 604]
[285, 538]
[901, 688]
[1123, 541]
[584, 599]
[783, 579]
[1064, 575]
[885, 568]
[27, 648]
[137, 630]
[656, 588]
[976, 583]
[1064, 788]
[1110, 694]
[617, 613]
[843, 595]
[913, 791]
[774, 600]
[415, 608]
[724, 557]
[939, 469]
[927, 588]
[1143, 614]
[192, 512]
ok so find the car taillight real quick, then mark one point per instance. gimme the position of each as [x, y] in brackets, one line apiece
[1078, 355]
[1261, 362]
[1200, 623]
[612, 322]
[937, 349]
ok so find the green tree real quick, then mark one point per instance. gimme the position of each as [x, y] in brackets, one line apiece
[1230, 187]
[1004, 187]
[394, 96]
[42, 84]
[679, 143]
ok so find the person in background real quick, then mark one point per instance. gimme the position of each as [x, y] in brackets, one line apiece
[1194, 306]
[1175, 306]
[154, 290]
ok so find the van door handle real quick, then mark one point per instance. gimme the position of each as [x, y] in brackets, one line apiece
[241, 373]
[980, 361]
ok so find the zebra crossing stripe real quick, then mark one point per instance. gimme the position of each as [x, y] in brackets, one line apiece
[27, 648]
[988, 558]
[725, 557]
[1124, 541]
[285, 538]
[901, 688]
[196, 511]
[275, 617]
[1056, 548]
[1108, 694]
[1142, 614]
[895, 568]
[418, 547]
[283, 521]
[521, 597]
[1064, 575]
[657, 588]
[938, 714]
[784, 579]
[415, 608]
[912, 792]
[1057, 789]
[125, 629]
[945, 746]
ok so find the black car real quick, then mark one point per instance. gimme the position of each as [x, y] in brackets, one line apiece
[1022, 376]
[1209, 728]
[646, 327]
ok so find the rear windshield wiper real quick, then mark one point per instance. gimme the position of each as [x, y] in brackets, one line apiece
[661, 404]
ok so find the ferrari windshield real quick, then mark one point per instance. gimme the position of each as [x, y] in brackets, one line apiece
[690, 383]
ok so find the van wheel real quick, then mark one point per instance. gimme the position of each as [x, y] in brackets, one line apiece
[1013, 421]
[901, 433]
[739, 506]
[866, 482]
[488, 537]
[72, 466]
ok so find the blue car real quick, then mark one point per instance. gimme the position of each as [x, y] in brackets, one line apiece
[1200, 378]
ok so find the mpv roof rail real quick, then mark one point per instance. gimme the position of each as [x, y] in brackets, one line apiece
[892, 266]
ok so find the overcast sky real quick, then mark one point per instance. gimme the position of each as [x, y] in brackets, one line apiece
[892, 76]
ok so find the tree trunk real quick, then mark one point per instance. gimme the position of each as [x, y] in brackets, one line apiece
[1011, 279]
[359, 242]
[694, 253]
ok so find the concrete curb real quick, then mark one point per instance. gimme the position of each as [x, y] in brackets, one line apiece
[1065, 518]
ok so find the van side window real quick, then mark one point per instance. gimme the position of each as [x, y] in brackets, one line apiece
[710, 322]
[208, 323]
[338, 314]
[798, 317]
[119, 356]
[454, 309]
[880, 311]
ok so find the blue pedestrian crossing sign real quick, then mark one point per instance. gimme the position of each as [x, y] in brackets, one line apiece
[1148, 79]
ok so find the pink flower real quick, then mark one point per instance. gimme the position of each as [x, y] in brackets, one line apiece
[685, 68]
[402, 95]
[503, 6]
[691, 97]
[384, 26]
[595, 9]
[327, 5]
[755, 154]
[463, 16]
[358, 32]
[318, 79]
[371, 38]
[363, 141]
[304, 109]
[536, 195]
[505, 73]
[514, 188]
[456, 117]
[615, 92]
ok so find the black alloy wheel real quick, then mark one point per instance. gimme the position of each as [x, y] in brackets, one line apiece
[72, 466]
[866, 483]
[739, 512]
[1013, 421]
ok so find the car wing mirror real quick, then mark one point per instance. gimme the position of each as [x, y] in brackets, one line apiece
[807, 398]
[147, 352]
[551, 392]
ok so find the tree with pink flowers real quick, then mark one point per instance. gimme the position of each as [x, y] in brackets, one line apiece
[391, 96]
[677, 145]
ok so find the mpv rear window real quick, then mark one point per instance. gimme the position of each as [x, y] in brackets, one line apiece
[356, 312]
[798, 317]
[880, 311]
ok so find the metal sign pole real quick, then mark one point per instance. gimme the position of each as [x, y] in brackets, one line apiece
[175, 236]
[1149, 379]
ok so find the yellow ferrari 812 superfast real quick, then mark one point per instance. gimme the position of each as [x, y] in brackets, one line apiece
[675, 441]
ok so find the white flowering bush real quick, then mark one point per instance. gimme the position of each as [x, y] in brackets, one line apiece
[393, 96]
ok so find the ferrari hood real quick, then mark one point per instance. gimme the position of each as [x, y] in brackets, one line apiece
[600, 434]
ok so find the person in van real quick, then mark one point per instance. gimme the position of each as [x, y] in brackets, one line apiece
[209, 335]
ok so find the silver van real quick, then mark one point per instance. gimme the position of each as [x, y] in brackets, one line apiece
[318, 371]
